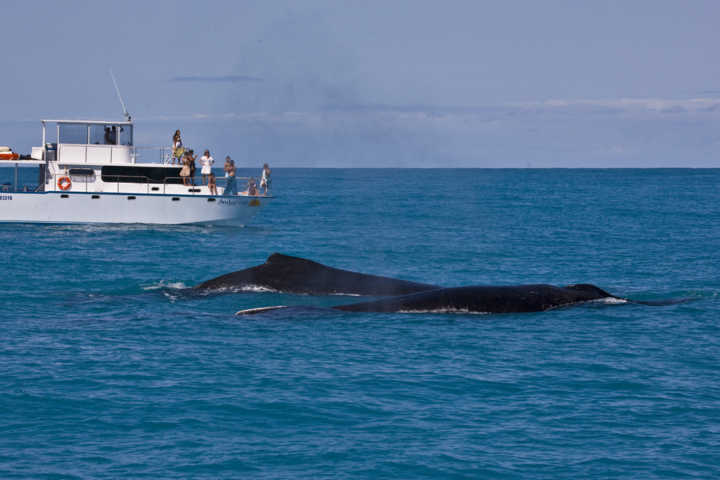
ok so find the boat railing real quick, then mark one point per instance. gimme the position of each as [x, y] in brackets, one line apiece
[220, 182]
[100, 154]
[107, 180]
[151, 186]
[8, 187]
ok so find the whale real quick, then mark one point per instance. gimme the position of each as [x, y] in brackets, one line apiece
[474, 299]
[288, 274]
[486, 299]
[481, 300]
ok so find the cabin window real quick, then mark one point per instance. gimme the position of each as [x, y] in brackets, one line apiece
[111, 134]
[117, 173]
[73, 133]
[102, 135]
[125, 135]
[82, 172]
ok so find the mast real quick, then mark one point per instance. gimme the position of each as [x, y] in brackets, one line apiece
[117, 91]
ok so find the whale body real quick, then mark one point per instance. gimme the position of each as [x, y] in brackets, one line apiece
[485, 299]
[284, 273]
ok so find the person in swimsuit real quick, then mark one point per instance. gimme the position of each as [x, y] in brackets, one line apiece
[211, 184]
[185, 170]
[252, 187]
[230, 186]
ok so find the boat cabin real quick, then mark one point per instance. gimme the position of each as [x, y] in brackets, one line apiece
[100, 156]
[88, 142]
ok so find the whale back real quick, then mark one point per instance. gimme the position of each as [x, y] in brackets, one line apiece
[483, 299]
[285, 273]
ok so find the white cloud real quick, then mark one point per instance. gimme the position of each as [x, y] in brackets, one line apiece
[641, 132]
[629, 104]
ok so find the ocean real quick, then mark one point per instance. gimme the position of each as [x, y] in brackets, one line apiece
[110, 368]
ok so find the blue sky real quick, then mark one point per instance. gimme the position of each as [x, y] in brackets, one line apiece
[379, 83]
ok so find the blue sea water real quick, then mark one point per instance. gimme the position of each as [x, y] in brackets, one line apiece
[110, 369]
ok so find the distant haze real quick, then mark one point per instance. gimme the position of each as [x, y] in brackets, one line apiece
[377, 83]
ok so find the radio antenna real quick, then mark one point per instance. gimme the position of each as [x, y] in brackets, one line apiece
[117, 90]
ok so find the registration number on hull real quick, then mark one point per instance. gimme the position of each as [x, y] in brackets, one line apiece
[253, 203]
[5, 197]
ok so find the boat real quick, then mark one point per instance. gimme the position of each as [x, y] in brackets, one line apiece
[90, 171]
[6, 153]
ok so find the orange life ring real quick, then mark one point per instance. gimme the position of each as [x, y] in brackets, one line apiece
[64, 183]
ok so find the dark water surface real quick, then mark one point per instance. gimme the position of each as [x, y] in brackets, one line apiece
[108, 369]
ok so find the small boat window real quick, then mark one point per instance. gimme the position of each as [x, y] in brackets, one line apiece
[211, 199]
[131, 197]
[193, 190]
[155, 189]
[82, 171]
[95, 197]
[64, 195]
[175, 199]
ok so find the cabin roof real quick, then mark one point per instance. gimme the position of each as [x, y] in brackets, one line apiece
[86, 122]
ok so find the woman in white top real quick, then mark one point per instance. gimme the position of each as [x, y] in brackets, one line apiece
[206, 161]
[265, 180]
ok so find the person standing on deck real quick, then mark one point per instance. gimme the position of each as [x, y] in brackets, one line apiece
[110, 135]
[185, 170]
[177, 149]
[191, 162]
[230, 186]
[206, 161]
[211, 184]
[265, 180]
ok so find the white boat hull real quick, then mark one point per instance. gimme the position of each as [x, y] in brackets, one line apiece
[59, 207]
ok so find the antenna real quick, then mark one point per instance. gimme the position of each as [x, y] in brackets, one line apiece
[117, 90]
